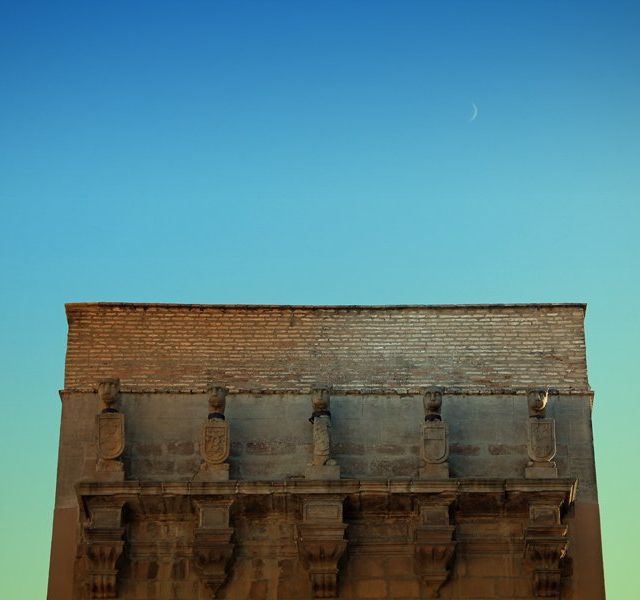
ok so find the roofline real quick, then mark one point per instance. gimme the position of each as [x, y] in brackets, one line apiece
[70, 306]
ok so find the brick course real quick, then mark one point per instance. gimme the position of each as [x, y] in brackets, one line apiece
[182, 347]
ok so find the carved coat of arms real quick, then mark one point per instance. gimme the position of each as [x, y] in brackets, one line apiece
[214, 444]
[542, 439]
[110, 435]
[435, 442]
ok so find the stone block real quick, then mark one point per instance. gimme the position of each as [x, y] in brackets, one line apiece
[371, 588]
[539, 472]
[404, 588]
[209, 472]
[322, 472]
[437, 471]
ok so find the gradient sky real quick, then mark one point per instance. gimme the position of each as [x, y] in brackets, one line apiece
[314, 152]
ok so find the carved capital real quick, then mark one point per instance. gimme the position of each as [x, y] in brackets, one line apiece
[212, 545]
[321, 544]
[104, 542]
[434, 547]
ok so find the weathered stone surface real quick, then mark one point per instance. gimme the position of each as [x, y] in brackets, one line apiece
[271, 528]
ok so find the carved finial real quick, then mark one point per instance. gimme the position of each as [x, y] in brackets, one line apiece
[537, 399]
[217, 400]
[432, 401]
[108, 392]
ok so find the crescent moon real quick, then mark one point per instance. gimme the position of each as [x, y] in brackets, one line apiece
[475, 113]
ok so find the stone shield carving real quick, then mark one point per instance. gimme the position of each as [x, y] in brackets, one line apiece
[542, 439]
[435, 443]
[214, 444]
[110, 435]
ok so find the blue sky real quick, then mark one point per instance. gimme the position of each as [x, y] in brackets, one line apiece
[314, 152]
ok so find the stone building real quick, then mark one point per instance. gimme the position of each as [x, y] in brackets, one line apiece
[353, 452]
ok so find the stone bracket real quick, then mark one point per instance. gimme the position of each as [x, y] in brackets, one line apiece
[321, 543]
[544, 548]
[212, 544]
[434, 547]
[104, 542]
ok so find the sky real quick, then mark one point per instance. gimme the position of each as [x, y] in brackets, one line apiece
[316, 153]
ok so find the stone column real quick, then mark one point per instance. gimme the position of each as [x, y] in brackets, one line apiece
[322, 465]
[545, 546]
[212, 546]
[541, 437]
[434, 545]
[104, 542]
[215, 439]
[110, 440]
[435, 437]
[321, 543]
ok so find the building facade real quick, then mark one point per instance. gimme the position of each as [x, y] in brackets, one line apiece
[298, 452]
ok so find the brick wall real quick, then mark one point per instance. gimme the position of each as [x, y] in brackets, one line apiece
[182, 347]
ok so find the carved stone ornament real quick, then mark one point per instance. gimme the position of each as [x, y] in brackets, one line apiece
[215, 441]
[434, 548]
[217, 400]
[537, 399]
[435, 438]
[321, 544]
[108, 392]
[545, 546]
[541, 448]
[435, 442]
[212, 552]
[432, 402]
[322, 465]
[212, 546]
[110, 435]
[104, 543]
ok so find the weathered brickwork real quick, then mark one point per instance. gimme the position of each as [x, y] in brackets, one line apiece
[331, 503]
[183, 347]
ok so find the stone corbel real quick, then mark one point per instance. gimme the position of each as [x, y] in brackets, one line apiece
[434, 547]
[545, 547]
[212, 545]
[104, 542]
[321, 543]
